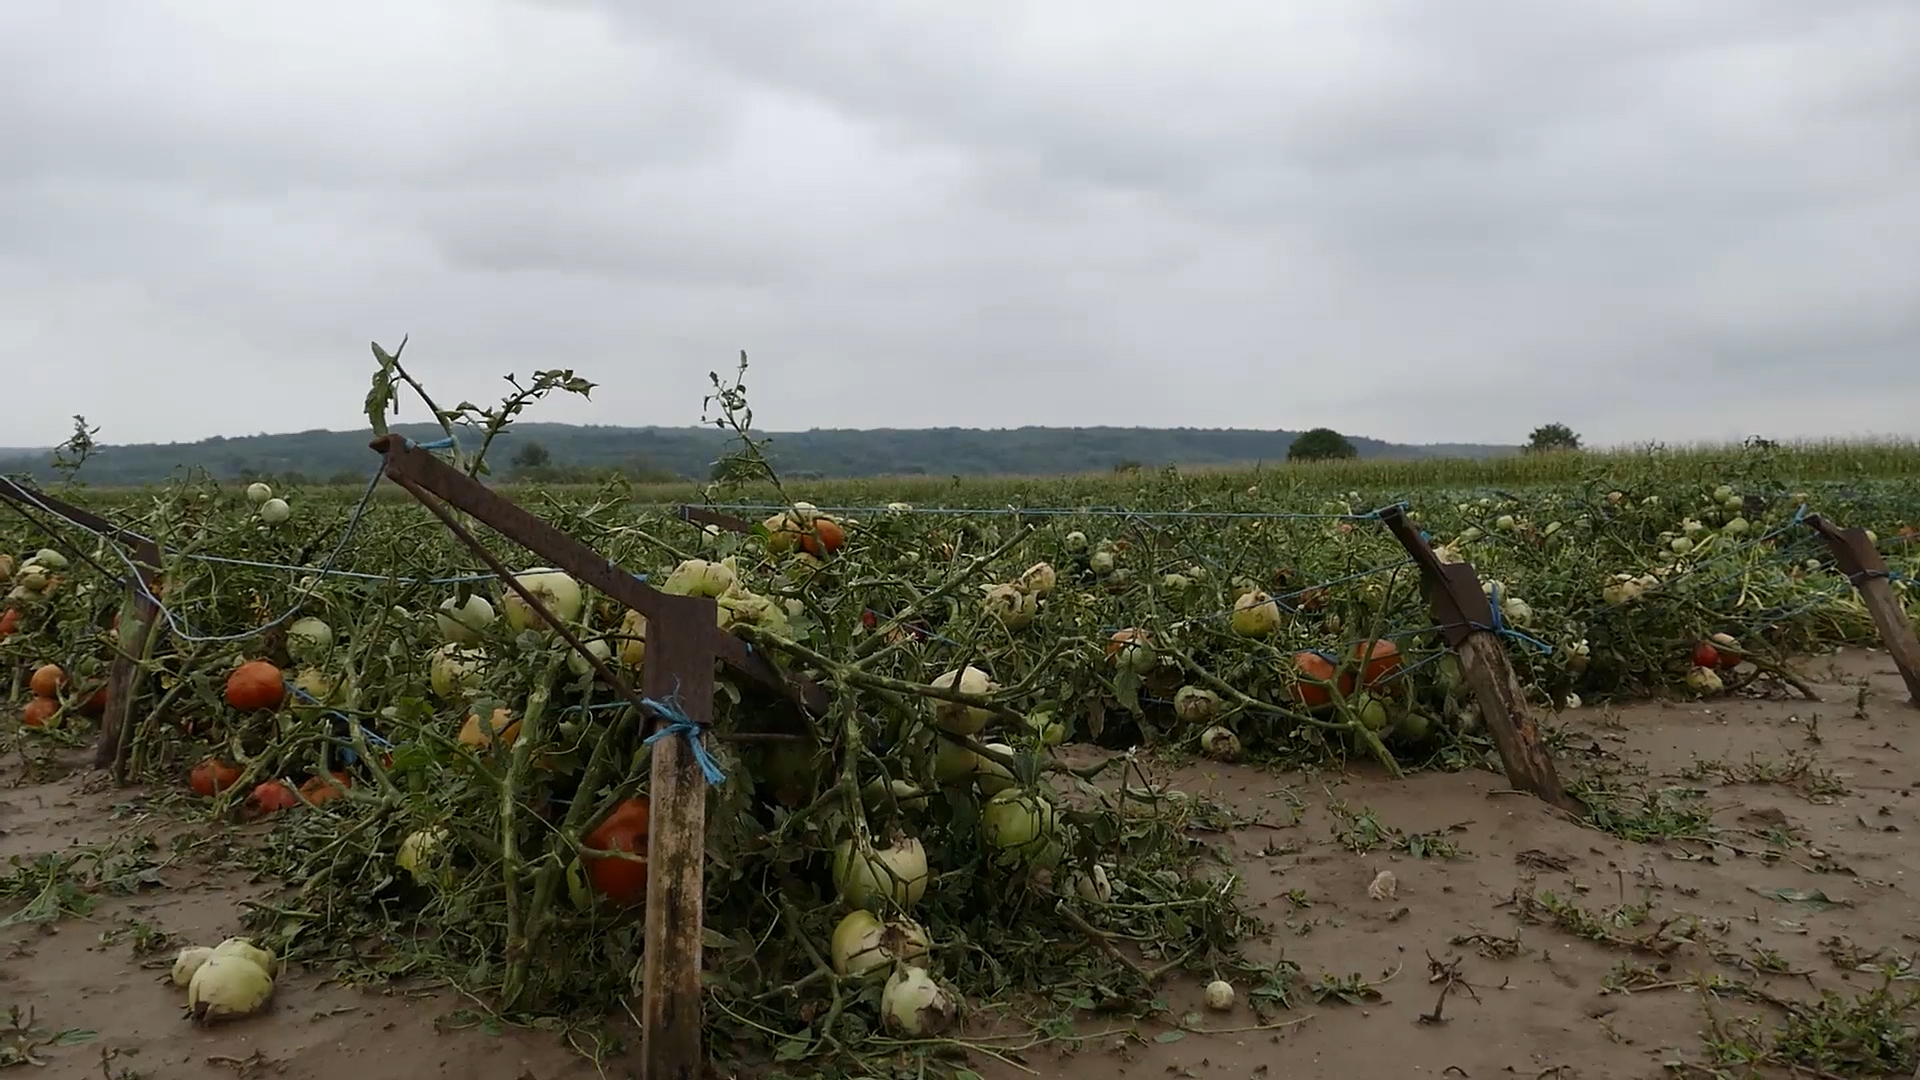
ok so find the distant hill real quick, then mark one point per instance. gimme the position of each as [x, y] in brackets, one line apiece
[688, 453]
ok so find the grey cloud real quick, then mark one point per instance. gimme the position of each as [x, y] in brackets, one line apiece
[1412, 220]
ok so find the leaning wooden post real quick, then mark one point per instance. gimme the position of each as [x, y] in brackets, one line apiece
[123, 678]
[1856, 557]
[129, 660]
[1465, 616]
[683, 641]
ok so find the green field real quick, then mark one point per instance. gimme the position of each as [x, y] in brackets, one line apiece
[1648, 469]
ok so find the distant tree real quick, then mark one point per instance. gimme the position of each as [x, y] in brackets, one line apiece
[1127, 466]
[530, 457]
[1550, 437]
[1321, 444]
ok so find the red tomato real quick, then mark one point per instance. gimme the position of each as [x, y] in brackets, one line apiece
[1381, 662]
[325, 789]
[1311, 665]
[213, 776]
[623, 881]
[256, 685]
[1706, 656]
[271, 798]
[824, 538]
[39, 711]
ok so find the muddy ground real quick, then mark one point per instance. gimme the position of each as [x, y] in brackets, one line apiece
[1808, 875]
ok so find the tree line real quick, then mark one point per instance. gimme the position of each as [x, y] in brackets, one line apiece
[561, 452]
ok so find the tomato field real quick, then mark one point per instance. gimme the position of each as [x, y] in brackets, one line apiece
[966, 836]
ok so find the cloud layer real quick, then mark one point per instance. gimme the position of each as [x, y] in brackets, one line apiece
[1416, 221]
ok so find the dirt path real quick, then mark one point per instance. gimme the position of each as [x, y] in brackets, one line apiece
[1826, 787]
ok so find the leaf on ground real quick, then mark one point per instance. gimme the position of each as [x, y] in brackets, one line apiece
[1813, 898]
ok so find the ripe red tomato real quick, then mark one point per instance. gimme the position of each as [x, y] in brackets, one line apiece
[39, 711]
[325, 789]
[271, 798]
[623, 881]
[1381, 662]
[256, 685]
[1312, 665]
[213, 776]
[824, 538]
[1705, 655]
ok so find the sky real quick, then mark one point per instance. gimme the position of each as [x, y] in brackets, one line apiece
[1408, 219]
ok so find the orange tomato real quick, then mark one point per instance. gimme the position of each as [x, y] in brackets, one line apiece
[623, 881]
[9, 622]
[39, 711]
[1310, 670]
[213, 776]
[256, 685]
[501, 727]
[47, 680]
[325, 789]
[270, 798]
[1378, 663]
[824, 538]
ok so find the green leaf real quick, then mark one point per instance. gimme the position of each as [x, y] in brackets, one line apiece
[1169, 1036]
[73, 1037]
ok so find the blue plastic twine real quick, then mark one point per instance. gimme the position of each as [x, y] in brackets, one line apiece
[678, 723]
[1500, 625]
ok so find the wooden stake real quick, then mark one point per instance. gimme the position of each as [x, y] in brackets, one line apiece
[679, 669]
[123, 679]
[1464, 614]
[1856, 557]
[683, 642]
[1503, 704]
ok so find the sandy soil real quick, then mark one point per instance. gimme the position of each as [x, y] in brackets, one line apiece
[1827, 786]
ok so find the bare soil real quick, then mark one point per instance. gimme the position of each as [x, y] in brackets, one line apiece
[1809, 797]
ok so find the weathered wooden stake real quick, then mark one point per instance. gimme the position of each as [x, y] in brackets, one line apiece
[123, 678]
[129, 662]
[679, 670]
[683, 641]
[1465, 616]
[1854, 554]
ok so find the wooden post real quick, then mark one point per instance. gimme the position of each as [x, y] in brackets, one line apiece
[678, 670]
[1465, 616]
[683, 641]
[1854, 554]
[124, 677]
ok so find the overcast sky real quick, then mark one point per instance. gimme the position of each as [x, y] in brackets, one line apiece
[1423, 220]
